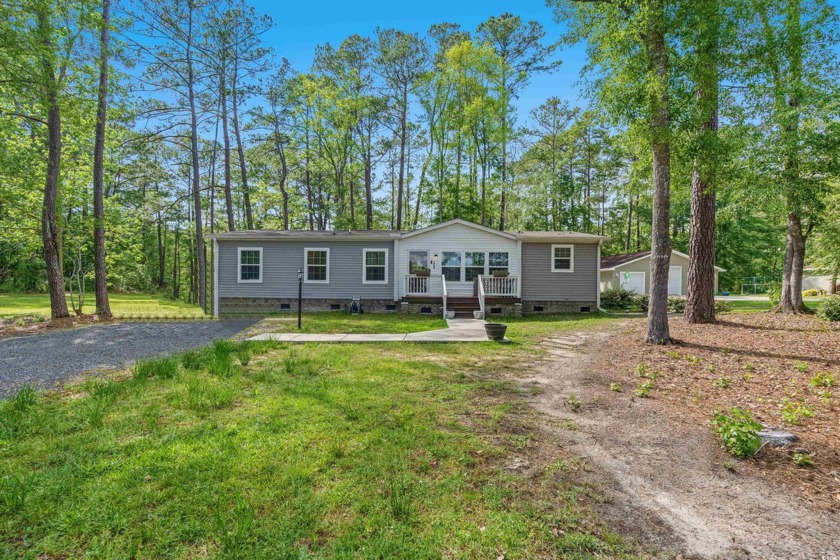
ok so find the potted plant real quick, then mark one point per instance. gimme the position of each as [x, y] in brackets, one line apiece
[495, 331]
[422, 272]
[500, 274]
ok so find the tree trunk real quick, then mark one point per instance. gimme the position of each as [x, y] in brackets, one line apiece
[284, 173]
[196, 190]
[226, 148]
[403, 133]
[660, 258]
[791, 297]
[240, 150]
[50, 229]
[700, 296]
[103, 307]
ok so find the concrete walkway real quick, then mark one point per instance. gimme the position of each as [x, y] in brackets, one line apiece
[459, 330]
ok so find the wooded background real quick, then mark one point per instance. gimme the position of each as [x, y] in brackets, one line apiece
[208, 130]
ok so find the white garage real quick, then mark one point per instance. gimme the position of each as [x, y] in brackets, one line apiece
[631, 271]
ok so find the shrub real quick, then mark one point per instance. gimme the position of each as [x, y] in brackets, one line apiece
[722, 306]
[739, 432]
[642, 302]
[774, 293]
[676, 305]
[830, 308]
[618, 298]
[165, 368]
[813, 292]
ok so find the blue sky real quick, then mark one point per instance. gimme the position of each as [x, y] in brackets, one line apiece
[300, 26]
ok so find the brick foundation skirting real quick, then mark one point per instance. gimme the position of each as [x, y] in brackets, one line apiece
[262, 306]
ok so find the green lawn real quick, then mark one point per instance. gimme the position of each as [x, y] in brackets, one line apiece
[311, 451]
[122, 306]
[752, 306]
[342, 322]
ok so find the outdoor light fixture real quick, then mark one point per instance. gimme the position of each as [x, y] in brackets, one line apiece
[300, 295]
[434, 260]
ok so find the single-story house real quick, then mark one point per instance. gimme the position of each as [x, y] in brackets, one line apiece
[452, 266]
[631, 271]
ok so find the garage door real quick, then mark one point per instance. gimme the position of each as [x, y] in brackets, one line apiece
[633, 281]
[675, 281]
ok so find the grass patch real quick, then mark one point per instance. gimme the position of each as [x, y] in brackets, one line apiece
[132, 306]
[327, 451]
[342, 322]
[753, 306]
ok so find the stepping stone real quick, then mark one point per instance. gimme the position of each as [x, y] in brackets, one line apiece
[777, 437]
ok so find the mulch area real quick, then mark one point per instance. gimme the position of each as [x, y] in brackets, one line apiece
[762, 362]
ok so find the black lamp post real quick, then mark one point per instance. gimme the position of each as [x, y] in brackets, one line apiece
[300, 295]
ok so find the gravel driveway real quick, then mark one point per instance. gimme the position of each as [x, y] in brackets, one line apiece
[44, 359]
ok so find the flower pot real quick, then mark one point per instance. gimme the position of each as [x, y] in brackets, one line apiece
[495, 331]
[423, 273]
[450, 314]
[500, 274]
[478, 314]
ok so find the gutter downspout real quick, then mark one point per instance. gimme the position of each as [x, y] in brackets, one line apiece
[397, 275]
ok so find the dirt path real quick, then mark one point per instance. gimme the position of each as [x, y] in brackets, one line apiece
[666, 480]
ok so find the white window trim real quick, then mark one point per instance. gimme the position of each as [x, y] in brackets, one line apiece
[365, 265]
[462, 261]
[484, 272]
[489, 266]
[306, 251]
[239, 265]
[571, 258]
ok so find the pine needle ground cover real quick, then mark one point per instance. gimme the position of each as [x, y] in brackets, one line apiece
[311, 451]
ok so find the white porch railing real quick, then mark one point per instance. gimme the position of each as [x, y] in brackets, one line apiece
[417, 285]
[481, 296]
[444, 293]
[499, 287]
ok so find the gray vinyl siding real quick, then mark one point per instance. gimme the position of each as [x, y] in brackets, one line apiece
[539, 283]
[282, 259]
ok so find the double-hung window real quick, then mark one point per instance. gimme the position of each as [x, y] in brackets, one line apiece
[250, 264]
[498, 261]
[317, 266]
[473, 265]
[562, 258]
[375, 266]
[450, 266]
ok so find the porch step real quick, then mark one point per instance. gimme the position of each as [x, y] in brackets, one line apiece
[462, 306]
